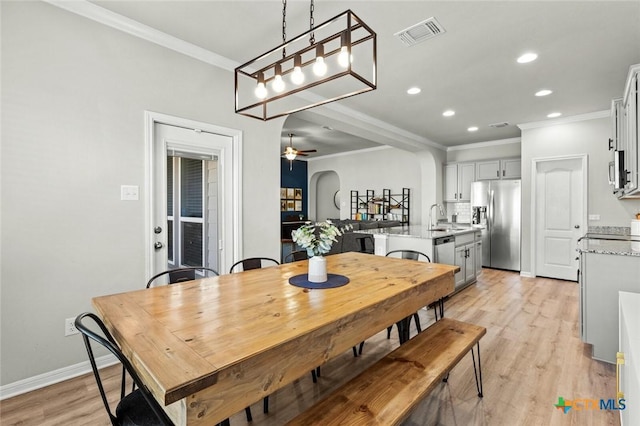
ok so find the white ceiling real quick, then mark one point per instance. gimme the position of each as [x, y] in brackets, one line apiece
[585, 49]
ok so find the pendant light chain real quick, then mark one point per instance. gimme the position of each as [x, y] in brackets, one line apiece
[284, 27]
[312, 38]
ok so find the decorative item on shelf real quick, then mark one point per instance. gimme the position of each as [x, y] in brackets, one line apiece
[336, 59]
[317, 238]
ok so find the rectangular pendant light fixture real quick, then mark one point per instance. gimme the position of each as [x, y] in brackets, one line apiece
[332, 61]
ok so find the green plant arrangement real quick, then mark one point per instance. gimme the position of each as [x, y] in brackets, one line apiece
[317, 238]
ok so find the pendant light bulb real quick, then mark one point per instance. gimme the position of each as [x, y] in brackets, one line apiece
[297, 76]
[320, 67]
[343, 57]
[278, 83]
[261, 89]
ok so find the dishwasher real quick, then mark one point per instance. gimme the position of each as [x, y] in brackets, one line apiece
[444, 250]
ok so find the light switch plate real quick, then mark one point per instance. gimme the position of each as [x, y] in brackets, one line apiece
[129, 192]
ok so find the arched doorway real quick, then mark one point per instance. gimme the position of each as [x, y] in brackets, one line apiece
[324, 196]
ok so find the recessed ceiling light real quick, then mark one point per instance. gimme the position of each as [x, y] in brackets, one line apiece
[472, 129]
[543, 92]
[449, 113]
[554, 115]
[414, 91]
[527, 57]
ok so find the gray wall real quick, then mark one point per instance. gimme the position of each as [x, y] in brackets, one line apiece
[485, 151]
[580, 137]
[386, 168]
[74, 94]
[326, 186]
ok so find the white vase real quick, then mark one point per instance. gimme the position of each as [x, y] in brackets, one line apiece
[317, 269]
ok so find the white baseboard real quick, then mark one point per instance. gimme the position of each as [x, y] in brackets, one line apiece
[527, 274]
[52, 377]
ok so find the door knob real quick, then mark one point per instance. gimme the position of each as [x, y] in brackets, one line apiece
[158, 245]
[577, 226]
[157, 230]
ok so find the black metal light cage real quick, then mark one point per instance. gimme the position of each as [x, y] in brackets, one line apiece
[355, 76]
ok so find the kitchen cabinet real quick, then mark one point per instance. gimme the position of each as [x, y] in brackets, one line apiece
[465, 257]
[457, 181]
[626, 135]
[478, 254]
[508, 168]
[601, 276]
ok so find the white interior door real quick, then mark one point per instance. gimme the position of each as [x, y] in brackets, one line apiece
[560, 204]
[193, 192]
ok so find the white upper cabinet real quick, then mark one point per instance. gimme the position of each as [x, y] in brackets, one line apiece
[457, 181]
[511, 168]
[486, 170]
[498, 169]
[626, 135]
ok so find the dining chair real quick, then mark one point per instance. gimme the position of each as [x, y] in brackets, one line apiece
[366, 243]
[138, 407]
[294, 256]
[252, 263]
[179, 275]
[411, 255]
[247, 265]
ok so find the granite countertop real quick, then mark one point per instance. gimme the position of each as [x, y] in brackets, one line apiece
[622, 245]
[420, 231]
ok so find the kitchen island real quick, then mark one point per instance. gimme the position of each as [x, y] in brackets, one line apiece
[608, 264]
[452, 245]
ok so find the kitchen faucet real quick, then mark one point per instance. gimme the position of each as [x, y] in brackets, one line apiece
[442, 213]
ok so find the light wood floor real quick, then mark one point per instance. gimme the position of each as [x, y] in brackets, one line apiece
[531, 355]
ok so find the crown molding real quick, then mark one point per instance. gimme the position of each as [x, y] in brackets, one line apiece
[565, 120]
[145, 32]
[137, 29]
[484, 144]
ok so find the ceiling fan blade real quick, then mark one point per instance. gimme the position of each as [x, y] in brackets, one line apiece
[300, 153]
[307, 150]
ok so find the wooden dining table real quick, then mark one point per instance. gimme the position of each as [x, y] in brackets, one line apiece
[211, 347]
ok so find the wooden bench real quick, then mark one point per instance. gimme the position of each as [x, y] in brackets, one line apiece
[387, 392]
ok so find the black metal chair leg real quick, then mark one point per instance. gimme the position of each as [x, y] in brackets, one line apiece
[389, 332]
[478, 371]
[416, 318]
[318, 371]
[314, 377]
[360, 348]
[225, 422]
[442, 308]
[247, 411]
[265, 404]
[435, 311]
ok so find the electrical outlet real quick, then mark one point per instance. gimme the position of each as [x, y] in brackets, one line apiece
[70, 327]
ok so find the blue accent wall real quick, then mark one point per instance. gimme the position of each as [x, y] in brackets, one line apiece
[294, 178]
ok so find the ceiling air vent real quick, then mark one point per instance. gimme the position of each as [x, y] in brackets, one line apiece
[498, 125]
[420, 32]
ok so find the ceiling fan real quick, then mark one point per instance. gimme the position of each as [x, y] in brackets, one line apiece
[290, 152]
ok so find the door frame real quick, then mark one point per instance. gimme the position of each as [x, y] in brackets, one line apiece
[534, 190]
[231, 214]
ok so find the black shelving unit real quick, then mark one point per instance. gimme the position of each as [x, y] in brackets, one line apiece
[388, 206]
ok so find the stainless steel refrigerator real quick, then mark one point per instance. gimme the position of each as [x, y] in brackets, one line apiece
[496, 205]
